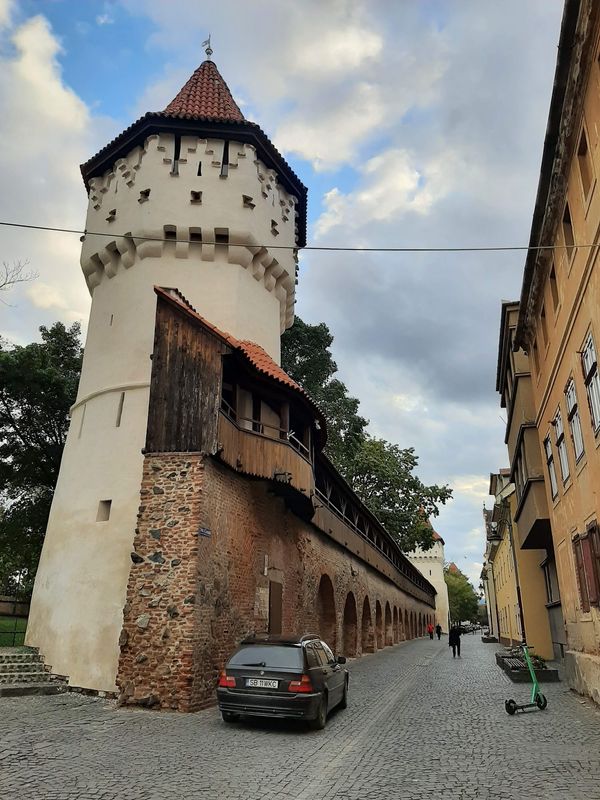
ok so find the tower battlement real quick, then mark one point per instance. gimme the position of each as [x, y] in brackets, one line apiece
[204, 199]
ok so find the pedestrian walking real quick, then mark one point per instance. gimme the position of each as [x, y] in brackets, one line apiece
[430, 631]
[454, 640]
[438, 630]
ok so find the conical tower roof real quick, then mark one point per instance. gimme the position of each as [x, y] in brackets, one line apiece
[204, 107]
[205, 96]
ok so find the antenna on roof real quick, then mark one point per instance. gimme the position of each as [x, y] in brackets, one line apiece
[209, 50]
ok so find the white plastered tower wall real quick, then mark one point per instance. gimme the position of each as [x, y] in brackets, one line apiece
[431, 565]
[212, 233]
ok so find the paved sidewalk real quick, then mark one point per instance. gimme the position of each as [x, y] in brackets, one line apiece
[419, 726]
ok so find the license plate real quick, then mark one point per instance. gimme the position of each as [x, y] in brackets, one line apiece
[261, 683]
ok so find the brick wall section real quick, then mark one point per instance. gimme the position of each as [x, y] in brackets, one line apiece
[197, 585]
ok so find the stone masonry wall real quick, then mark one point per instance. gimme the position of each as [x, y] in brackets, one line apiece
[207, 545]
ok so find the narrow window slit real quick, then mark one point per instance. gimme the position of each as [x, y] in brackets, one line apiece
[176, 154]
[225, 160]
[103, 514]
[120, 409]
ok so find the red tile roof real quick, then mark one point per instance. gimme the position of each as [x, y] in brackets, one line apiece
[256, 355]
[205, 95]
[437, 537]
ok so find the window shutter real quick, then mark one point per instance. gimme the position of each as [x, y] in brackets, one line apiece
[589, 570]
[583, 590]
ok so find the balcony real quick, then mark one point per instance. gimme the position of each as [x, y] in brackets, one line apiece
[532, 519]
[264, 451]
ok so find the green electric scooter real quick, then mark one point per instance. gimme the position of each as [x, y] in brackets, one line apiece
[538, 700]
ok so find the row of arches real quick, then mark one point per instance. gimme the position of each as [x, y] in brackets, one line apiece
[379, 625]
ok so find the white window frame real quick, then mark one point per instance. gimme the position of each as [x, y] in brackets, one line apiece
[551, 467]
[561, 446]
[591, 377]
[574, 419]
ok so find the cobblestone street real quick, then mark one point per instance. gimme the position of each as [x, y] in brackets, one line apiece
[419, 725]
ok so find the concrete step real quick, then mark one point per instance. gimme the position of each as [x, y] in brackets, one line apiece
[30, 677]
[24, 689]
[20, 656]
[22, 666]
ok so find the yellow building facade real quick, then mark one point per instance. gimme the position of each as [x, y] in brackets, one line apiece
[558, 327]
[514, 576]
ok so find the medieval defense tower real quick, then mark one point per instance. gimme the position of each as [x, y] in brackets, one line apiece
[194, 197]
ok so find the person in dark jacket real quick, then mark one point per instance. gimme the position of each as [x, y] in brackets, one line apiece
[454, 640]
[438, 630]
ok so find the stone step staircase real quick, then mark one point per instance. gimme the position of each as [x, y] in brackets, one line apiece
[23, 672]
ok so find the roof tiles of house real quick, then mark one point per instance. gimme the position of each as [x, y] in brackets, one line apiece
[258, 357]
[205, 95]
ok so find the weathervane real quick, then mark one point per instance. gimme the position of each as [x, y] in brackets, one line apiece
[209, 50]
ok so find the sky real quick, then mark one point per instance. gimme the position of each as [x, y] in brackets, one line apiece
[414, 123]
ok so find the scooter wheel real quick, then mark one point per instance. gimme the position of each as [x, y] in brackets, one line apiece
[510, 707]
[541, 701]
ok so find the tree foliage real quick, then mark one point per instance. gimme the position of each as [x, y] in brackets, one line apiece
[464, 604]
[305, 355]
[382, 474]
[38, 384]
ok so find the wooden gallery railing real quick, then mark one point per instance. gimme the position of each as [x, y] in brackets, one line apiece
[276, 455]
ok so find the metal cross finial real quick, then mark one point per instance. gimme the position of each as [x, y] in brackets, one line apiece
[209, 50]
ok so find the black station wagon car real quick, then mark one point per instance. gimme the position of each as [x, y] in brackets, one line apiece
[283, 676]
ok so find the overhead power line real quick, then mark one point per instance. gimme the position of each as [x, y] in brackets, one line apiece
[326, 248]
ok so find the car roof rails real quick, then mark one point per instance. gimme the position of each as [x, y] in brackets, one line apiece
[278, 638]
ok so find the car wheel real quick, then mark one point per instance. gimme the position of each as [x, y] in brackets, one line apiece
[344, 700]
[320, 720]
[229, 716]
[510, 707]
[541, 701]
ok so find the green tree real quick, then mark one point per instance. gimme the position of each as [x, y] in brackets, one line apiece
[382, 475]
[306, 357]
[38, 384]
[462, 599]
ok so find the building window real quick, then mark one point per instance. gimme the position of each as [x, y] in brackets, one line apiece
[544, 326]
[536, 358]
[567, 228]
[592, 379]
[585, 165]
[574, 419]
[550, 465]
[561, 446]
[554, 288]
[551, 581]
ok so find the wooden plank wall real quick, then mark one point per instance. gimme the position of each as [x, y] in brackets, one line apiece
[185, 387]
[263, 456]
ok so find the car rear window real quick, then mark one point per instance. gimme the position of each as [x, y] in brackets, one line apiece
[271, 655]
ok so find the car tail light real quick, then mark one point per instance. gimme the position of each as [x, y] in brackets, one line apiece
[303, 685]
[226, 681]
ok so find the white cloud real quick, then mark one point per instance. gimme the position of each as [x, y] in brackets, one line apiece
[331, 136]
[6, 8]
[392, 184]
[104, 19]
[44, 296]
[472, 486]
[46, 132]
